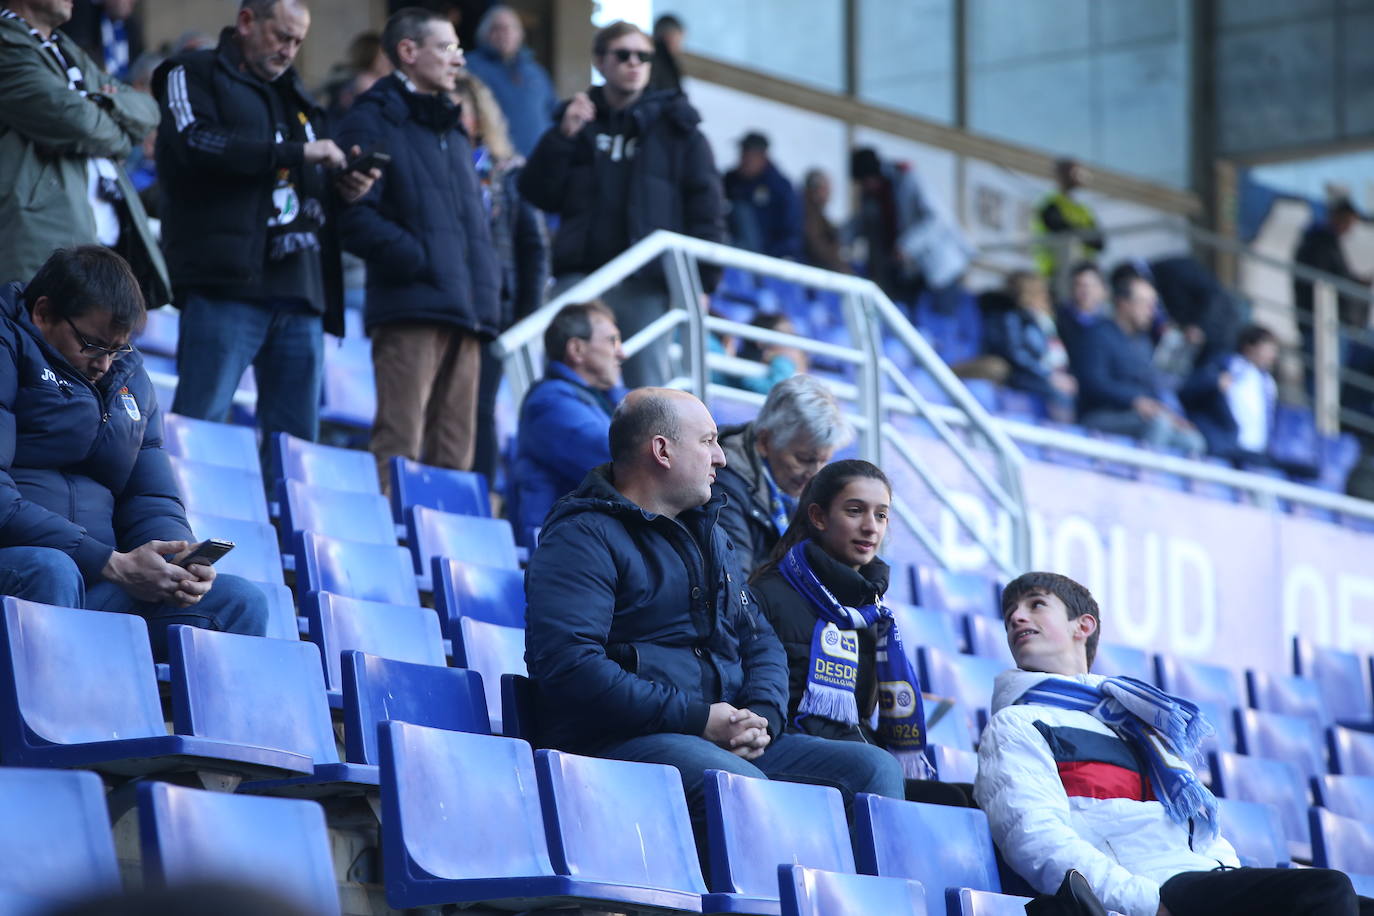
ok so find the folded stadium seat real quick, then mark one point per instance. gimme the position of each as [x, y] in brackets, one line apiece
[967, 678]
[416, 484]
[1297, 739]
[1341, 842]
[984, 903]
[324, 465]
[952, 764]
[1116, 660]
[1255, 829]
[815, 892]
[159, 333]
[280, 845]
[492, 651]
[377, 572]
[264, 692]
[380, 689]
[1351, 750]
[462, 823]
[1341, 677]
[755, 825]
[1198, 681]
[1349, 796]
[346, 514]
[470, 538]
[948, 722]
[1278, 782]
[491, 593]
[1290, 694]
[943, 847]
[1293, 440]
[56, 846]
[211, 443]
[957, 592]
[213, 489]
[987, 636]
[349, 390]
[338, 624]
[925, 627]
[255, 556]
[77, 689]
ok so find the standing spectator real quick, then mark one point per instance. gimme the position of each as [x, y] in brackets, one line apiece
[518, 235]
[1198, 304]
[1061, 212]
[1320, 249]
[109, 31]
[669, 35]
[1232, 398]
[619, 164]
[1118, 387]
[820, 237]
[1019, 329]
[763, 203]
[433, 281]
[1087, 305]
[566, 416]
[366, 64]
[63, 125]
[519, 82]
[248, 213]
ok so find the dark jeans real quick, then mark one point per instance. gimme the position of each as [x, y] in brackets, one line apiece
[487, 451]
[1263, 892]
[49, 576]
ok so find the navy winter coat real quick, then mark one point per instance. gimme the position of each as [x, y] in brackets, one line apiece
[1112, 368]
[636, 623]
[422, 228]
[82, 467]
[770, 209]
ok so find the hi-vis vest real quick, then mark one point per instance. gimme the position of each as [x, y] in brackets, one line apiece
[1076, 214]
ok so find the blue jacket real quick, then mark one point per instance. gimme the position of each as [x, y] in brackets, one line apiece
[1112, 368]
[636, 623]
[422, 229]
[1015, 335]
[563, 433]
[523, 90]
[765, 213]
[82, 467]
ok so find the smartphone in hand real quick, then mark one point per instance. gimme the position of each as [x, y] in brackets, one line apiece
[206, 553]
[373, 159]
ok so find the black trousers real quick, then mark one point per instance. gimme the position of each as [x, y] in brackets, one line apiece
[1263, 892]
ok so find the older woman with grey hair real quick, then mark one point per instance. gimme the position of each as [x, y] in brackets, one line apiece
[770, 461]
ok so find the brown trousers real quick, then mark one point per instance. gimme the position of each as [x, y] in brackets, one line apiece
[427, 379]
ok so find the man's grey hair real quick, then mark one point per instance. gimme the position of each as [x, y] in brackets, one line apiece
[637, 420]
[488, 20]
[411, 22]
[802, 408]
[264, 9]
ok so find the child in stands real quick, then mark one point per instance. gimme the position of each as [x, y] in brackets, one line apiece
[1090, 773]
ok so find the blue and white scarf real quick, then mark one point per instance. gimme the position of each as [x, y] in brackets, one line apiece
[834, 669]
[1165, 730]
[779, 503]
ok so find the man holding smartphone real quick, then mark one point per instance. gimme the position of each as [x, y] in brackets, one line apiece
[90, 515]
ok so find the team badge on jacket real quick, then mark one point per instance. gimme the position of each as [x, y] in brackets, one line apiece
[129, 404]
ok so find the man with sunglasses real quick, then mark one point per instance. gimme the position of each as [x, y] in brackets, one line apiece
[620, 163]
[89, 510]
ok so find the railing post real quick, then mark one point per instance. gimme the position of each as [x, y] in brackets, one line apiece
[1326, 356]
[684, 284]
[863, 331]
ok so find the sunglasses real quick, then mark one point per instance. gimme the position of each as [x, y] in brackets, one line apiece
[624, 54]
[94, 349]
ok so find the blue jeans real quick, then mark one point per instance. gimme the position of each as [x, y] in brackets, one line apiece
[219, 339]
[49, 576]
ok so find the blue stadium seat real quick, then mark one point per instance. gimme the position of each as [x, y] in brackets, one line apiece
[1289, 694]
[1294, 439]
[495, 594]
[1296, 739]
[952, 764]
[967, 678]
[377, 572]
[256, 555]
[416, 484]
[755, 825]
[325, 465]
[394, 631]
[815, 892]
[282, 622]
[1255, 829]
[924, 627]
[491, 650]
[159, 333]
[278, 844]
[987, 637]
[266, 693]
[208, 442]
[1364, 884]
[1341, 842]
[959, 592]
[377, 689]
[77, 689]
[1341, 676]
[1223, 720]
[1197, 681]
[349, 390]
[212, 489]
[598, 816]
[949, 722]
[346, 514]
[1278, 782]
[1349, 796]
[56, 845]
[941, 846]
[984, 903]
[1115, 660]
[470, 538]
[1352, 751]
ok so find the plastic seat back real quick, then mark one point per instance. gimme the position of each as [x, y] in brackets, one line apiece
[348, 514]
[953, 764]
[1223, 721]
[814, 892]
[279, 844]
[1198, 681]
[1341, 677]
[395, 631]
[1341, 842]
[1352, 751]
[949, 722]
[1278, 782]
[966, 902]
[470, 538]
[256, 555]
[938, 845]
[416, 484]
[56, 844]
[921, 626]
[957, 592]
[1116, 660]
[325, 465]
[380, 689]
[229, 492]
[281, 611]
[1255, 829]
[987, 637]
[1289, 694]
[211, 443]
[967, 678]
[375, 572]
[495, 594]
[1348, 796]
[1296, 739]
[491, 650]
[599, 816]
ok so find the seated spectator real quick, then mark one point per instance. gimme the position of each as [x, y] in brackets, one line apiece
[641, 637]
[1176, 349]
[1232, 398]
[91, 510]
[520, 83]
[783, 362]
[820, 237]
[1118, 387]
[669, 35]
[1019, 329]
[772, 459]
[1087, 305]
[1074, 772]
[763, 215]
[566, 415]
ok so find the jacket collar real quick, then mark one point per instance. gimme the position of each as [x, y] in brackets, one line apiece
[13, 307]
[230, 55]
[597, 493]
[1011, 684]
[852, 587]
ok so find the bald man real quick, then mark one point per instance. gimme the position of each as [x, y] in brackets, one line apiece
[642, 639]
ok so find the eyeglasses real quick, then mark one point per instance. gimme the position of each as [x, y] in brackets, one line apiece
[624, 54]
[94, 349]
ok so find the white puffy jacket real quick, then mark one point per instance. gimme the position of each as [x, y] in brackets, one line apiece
[1125, 847]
